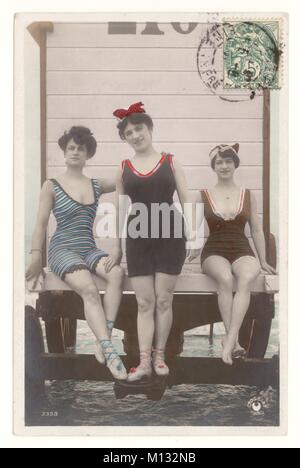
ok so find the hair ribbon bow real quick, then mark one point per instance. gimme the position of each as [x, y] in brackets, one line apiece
[133, 109]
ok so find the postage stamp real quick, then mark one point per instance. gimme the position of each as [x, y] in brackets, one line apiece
[251, 54]
[209, 64]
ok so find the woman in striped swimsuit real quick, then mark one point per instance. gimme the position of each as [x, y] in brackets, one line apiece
[227, 252]
[73, 254]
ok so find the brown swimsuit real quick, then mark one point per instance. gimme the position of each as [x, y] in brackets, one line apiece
[227, 236]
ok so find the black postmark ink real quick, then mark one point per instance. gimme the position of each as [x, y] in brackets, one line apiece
[251, 55]
[211, 58]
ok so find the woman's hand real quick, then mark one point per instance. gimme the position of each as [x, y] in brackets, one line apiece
[193, 246]
[192, 254]
[268, 268]
[113, 259]
[34, 270]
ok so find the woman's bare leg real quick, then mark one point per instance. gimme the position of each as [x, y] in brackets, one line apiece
[145, 296]
[246, 269]
[164, 290]
[82, 282]
[219, 269]
[114, 289]
[111, 301]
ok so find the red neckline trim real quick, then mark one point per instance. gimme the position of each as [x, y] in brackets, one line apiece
[214, 209]
[139, 174]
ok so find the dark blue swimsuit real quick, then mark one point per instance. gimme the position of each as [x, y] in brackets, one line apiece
[73, 246]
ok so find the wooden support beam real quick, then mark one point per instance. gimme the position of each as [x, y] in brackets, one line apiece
[184, 370]
[38, 31]
[266, 170]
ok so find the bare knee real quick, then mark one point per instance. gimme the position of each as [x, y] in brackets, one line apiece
[164, 302]
[225, 281]
[146, 305]
[116, 275]
[90, 294]
[245, 281]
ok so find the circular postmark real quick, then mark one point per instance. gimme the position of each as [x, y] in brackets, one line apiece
[251, 55]
[210, 65]
[237, 61]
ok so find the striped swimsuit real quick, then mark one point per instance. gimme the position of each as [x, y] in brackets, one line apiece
[73, 246]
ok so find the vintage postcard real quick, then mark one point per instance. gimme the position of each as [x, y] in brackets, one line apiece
[150, 223]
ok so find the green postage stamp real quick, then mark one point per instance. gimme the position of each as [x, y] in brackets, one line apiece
[251, 54]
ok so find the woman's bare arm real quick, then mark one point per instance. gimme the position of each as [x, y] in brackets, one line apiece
[191, 213]
[38, 237]
[116, 254]
[184, 196]
[107, 185]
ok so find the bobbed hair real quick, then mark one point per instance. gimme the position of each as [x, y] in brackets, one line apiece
[228, 153]
[81, 136]
[134, 119]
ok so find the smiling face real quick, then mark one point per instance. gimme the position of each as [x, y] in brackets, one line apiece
[224, 167]
[75, 154]
[138, 136]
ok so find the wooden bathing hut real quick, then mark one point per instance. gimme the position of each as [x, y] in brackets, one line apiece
[87, 71]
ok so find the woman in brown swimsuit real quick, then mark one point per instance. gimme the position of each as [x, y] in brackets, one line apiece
[227, 252]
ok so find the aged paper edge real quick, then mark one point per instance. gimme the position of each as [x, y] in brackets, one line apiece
[22, 20]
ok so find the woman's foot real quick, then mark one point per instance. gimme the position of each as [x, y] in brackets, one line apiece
[227, 350]
[99, 353]
[238, 351]
[229, 354]
[158, 359]
[113, 360]
[144, 369]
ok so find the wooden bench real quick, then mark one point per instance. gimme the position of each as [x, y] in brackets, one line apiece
[195, 304]
[187, 283]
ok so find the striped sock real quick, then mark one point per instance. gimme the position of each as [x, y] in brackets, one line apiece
[110, 326]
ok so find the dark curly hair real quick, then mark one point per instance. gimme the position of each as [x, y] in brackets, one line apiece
[81, 136]
[134, 119]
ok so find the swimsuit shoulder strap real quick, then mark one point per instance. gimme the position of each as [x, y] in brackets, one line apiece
[97, 188]
[208, 203]
[169, 158]
[247, 201]
[124, 162]
[56, 186]
[205, 196]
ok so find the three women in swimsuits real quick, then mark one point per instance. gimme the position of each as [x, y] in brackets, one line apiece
[73, 254]
[148, 178]
[227, 254]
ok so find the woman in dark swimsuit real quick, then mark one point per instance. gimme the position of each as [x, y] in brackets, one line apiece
[227, 252]
[154, 259]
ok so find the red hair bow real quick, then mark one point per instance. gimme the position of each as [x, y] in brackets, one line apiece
[133, 109]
